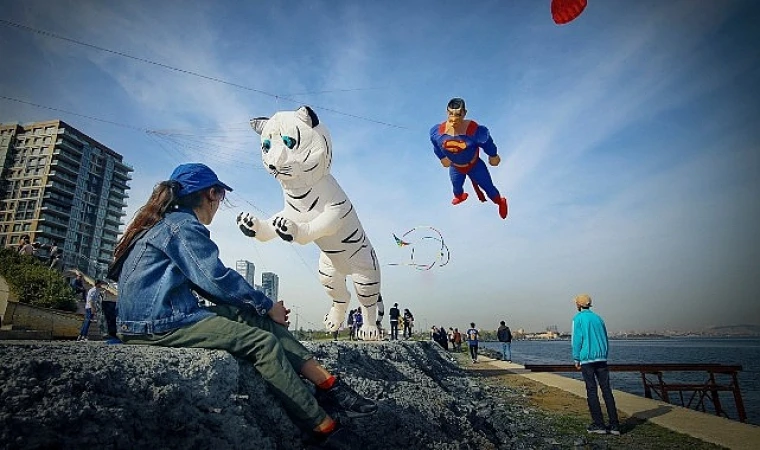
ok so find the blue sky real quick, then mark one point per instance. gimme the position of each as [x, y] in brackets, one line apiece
[629, 139]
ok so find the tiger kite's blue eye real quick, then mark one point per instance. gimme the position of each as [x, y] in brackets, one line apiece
[266, 145]
[289, 141]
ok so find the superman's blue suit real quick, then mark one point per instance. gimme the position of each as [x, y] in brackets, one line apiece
[464, 153]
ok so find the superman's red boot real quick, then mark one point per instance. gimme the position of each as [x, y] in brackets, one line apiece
[503, 209]
[459, 198]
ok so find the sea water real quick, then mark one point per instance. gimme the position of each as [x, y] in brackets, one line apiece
[728, 351]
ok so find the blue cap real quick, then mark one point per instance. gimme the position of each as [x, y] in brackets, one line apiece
[194, 177]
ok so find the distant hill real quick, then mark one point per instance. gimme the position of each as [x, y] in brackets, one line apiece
[734, 330]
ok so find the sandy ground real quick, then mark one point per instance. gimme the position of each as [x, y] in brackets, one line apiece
[66, 395]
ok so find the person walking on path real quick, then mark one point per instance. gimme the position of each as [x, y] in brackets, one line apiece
[472, 338]
[166, 253]
[442, 338]
[77, 284]
[590, 345]
[350, 325]
[52, 252]
[109, 314]
[56, 262]
[505, 337]
[394, 315]
[358, 322]
[408, 324]
[457, 340]
[94, 297]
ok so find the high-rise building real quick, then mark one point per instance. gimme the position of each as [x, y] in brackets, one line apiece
[246, 269]
[59, 185]
[270, 284]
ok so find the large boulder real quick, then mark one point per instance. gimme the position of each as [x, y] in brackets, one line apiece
[71, 395]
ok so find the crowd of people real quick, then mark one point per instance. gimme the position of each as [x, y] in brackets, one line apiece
[50, 254]
[398, 321]
[453, 339]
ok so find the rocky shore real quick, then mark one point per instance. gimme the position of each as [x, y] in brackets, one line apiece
[76, 395]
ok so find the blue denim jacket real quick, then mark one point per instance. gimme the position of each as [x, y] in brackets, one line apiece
[171, 260]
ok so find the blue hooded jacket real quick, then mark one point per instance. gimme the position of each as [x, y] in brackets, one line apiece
[589, 338]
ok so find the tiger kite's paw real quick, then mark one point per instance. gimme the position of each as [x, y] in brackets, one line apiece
[248, 224]
[334, 318]
[285, 228]
[369, 332]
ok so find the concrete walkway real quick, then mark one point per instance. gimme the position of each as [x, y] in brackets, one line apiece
[706, 427]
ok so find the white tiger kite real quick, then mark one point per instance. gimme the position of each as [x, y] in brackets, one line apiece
[296, 149]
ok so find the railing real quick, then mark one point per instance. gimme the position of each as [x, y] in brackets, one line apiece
[700, 392]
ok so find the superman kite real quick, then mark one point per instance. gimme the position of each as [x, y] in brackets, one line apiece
[457, 143]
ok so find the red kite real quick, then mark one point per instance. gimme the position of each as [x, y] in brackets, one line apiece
[564, 11]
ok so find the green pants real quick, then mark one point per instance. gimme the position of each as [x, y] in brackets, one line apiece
[272, 349]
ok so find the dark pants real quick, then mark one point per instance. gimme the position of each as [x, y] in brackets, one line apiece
[474, 351]
[593, 372]
[109, 311]
[394, 330]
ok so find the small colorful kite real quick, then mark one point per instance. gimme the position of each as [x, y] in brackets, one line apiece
[564, 11]
[428, 249]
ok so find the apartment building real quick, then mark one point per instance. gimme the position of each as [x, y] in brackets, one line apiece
[59, 185]
[270, 285]
[246, 269]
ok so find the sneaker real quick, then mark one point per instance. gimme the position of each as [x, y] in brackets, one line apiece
[341, 397]
[615, 430]
[341, 438]
[596, 429]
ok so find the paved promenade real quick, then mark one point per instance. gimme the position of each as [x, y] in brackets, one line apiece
[707, 427]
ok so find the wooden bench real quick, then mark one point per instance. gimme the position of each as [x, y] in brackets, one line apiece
[700, 392]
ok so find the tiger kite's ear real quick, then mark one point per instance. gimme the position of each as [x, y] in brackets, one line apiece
[307, 116]
[258, 124]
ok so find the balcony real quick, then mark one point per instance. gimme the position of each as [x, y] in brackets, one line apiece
[113, 220]
[60, 212]
[66, 156]
[68, 146]
[51, 220]
[60, 165]
[119, 183]
[57, 186]
[117, 202]
[108, 240]
[122, 175]
[122, 194]
[56, 199]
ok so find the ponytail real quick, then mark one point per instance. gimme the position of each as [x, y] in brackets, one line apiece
[163, 198]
